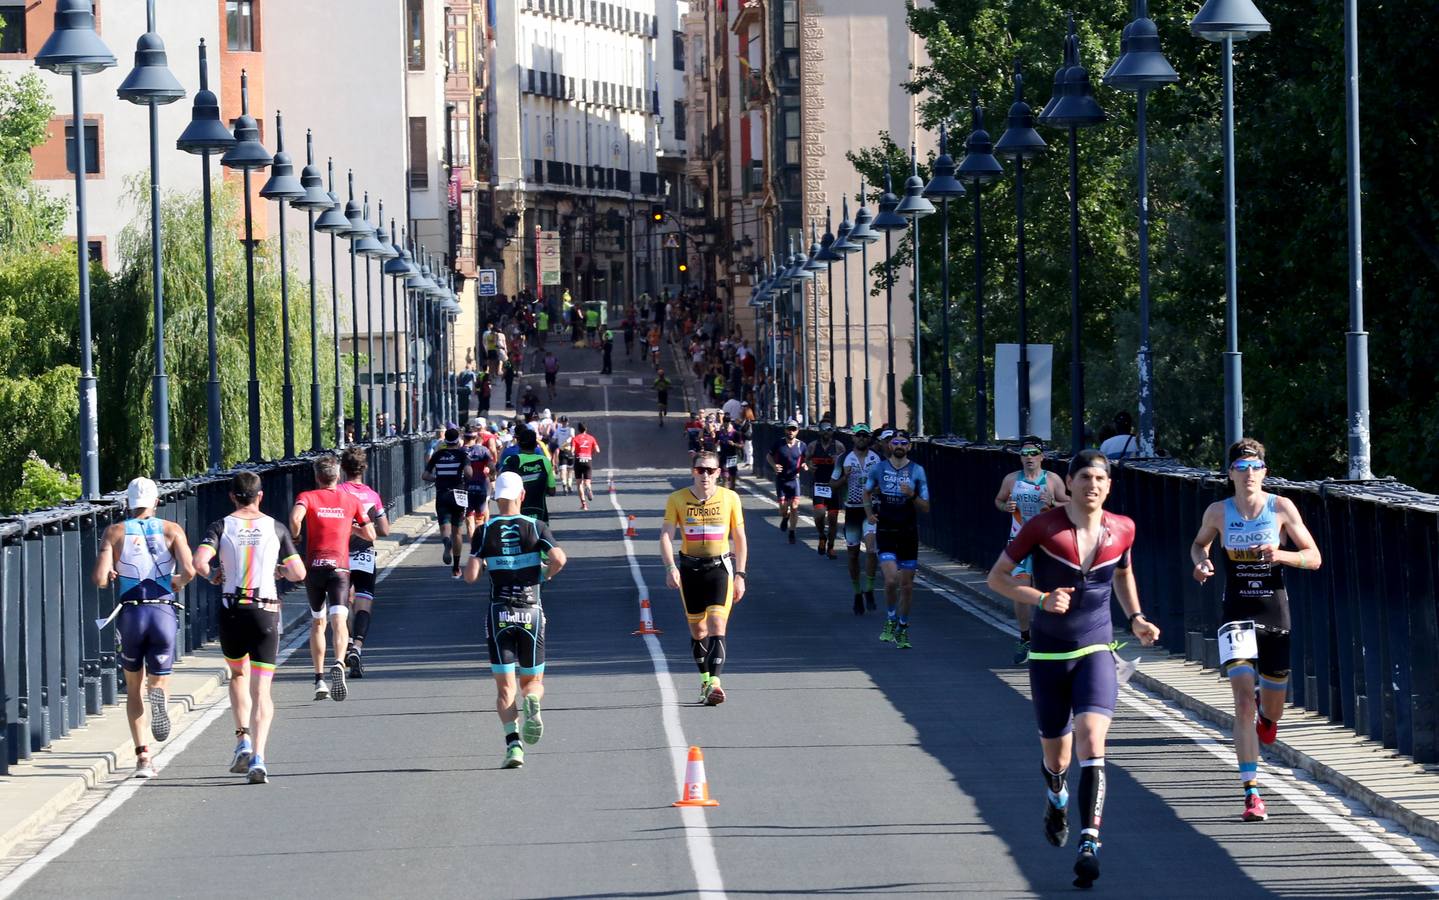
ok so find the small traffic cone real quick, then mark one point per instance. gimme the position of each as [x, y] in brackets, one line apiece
[697, 789]
[612, 485]
[647, 621]
[630, 531]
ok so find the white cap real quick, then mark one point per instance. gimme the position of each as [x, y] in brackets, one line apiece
[142, 494]
[545, 414]
[509, 486]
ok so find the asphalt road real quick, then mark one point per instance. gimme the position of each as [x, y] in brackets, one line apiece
[842, 765]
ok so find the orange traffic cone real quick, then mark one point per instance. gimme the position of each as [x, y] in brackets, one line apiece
[697, 789]
[630, 531]
[647, 621]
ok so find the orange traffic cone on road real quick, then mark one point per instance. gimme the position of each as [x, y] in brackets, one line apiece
[630, 531]
[647, 621]
[697, 789]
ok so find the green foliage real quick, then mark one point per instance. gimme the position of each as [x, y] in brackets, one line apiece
[29, 215]
[1291, 227]
[43, 485]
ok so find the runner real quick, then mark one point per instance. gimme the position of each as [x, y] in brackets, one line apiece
[629, 329]
[709, 577]
[731, 446]
[851, 477]
[823, 452]
[654, 341]
[477, 485]
[534, 468]
[1083, 564]
[519, 553]
[562, 442]
[787, 457]
[607, 349]
[1024, 495]
[1254, 640]
[662, 394]
[328, 518]
[149, 560]
[552, 374]
[251, 549]
[353, 463]
[896, 491]
[586, 449]
[694, 433]
[449, 468]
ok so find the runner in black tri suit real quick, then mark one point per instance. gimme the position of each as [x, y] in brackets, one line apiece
[1254, 640]
[823, 453]
[1081, 561]
[787, 457]
[449, 468]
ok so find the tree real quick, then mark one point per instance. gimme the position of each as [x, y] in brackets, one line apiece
[29, 215]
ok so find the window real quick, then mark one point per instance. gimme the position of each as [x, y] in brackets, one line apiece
[457, 50]
[791, 24]
[679, 120]
[460, 138]
[419, 154]
[791, 137]
[679, 43]
[12, 29]
[240, 25]
[96, 251]
[92, 147]
[415, 31]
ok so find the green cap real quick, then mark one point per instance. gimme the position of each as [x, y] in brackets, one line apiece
[861, 428]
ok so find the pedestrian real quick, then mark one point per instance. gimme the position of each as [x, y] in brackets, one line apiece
[607, 347]
[484, 387]
[519, 553]
[464, 389]
[510, 372]
[552, 374]
[1121, 442]
[148, 559]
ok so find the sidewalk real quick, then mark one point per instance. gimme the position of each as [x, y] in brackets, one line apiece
[38, 791]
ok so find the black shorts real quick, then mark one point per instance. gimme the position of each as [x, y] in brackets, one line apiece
[329, 587]
[248, 631]
[706, 586]
[447, 510]
[516, 639]
[1273, 661]
[550, 377]
[897, 545]
[582, 470]
[363, 583]
[787, 490]
[566, 459]
[478, 502]
[1065, 688]
[664, 398]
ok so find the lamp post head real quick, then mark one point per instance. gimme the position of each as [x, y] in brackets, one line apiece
[863, 231]
[358, 227]
[332, 220]
[942, 183]
[1075, 106]
[1020, 141]
[74, 46]
[827, 253]
[367, 243]
[248, 153]
[206, 134]
[282, 185]
[842, 244]
[151, 81]
[400, 264]
[888, 219]
[1141, 65]
[816, 262]
[979, 167]
[1237, 20]
[382, 237]
[913, 206]
[315, 198]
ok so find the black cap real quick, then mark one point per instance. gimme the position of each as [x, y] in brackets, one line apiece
[452, 434]
[1088, 459]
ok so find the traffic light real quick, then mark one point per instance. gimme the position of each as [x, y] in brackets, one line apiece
[657, 214]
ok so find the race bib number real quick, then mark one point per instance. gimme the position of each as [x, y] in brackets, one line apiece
[462, 498]
[1238, 640]
[822, 491]
[363, 560]
[731, 462]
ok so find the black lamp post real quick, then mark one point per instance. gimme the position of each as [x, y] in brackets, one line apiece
[1018, 143]
[284, 187]
[1074, 107]
[152, 84]
[844, 247]
[943, 186]
[1142, 67]
[414, 288]
[1228, 21]
[799, 277]
[814, 265]
[864, 234]
[315, 200]
[204, 137]
[382, 237]
[249, 155]
[888, 222]
[357, 231]
[399, 267]
[914, 207]
[369, 248]
[976, 169]
[829, 257]
[333, 222]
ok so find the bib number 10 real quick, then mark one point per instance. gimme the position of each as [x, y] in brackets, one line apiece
[1238, 640]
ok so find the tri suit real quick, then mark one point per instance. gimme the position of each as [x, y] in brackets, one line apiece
[789, 457]
[1254, 591]
[856, 523]
[329, 513]
[821, 466]
[1028, 497]
[362, 552]
[704, 560]
[248, 551]
[897, 532]
[147, 621]
[452, 496]
[513, 549]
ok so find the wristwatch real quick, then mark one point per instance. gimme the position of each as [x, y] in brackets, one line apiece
[741, 575]
[1138, 615]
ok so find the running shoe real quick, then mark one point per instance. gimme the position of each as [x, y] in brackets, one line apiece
[704, 691]
[1086, 867]
[859, 604]
[159, 714]
[352, 662]
[869, 600]
[455, 570]
[322, 690]
[338, 689]
[1254, 809]
[901, 638]
[257, 773]
[446, 556]
[886, 633]
[534, 726]
[820, 548]
[715, 695]
[1021, 652]
[791, 537]
[1267, 729]
[244, 752]
[514, 757]
[1056, 823]
[144, 768]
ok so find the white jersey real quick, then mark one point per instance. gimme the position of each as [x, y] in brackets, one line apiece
[1028, 497]
[249, 550]
[858, 471]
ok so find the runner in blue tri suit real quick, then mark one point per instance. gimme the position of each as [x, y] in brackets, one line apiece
[1024, 495]
[788, 458]
[895, 492]
[1081, 561]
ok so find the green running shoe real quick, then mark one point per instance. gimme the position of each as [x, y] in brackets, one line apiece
[514, 757]
[1021, 653]
[534, 726]
[901, 638]
[886, 634]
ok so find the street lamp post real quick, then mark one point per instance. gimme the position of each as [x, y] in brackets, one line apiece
[801, 275]
[387, 252]
[1018, 143]
[370, 248]
[943, 186]
[914, 207]
[333, 222]
[249, 155]
[315, 199]
[398, 266]
[829, 257]
[1357, 339]
[889, 221]
[1140, 68]
[844, 247]
[976, 169]
[284, 187]
[152, 84]
[1074, 107]
[864, 234]
[1228, 21]
[357, 231]
[814, 265]
[205, 136]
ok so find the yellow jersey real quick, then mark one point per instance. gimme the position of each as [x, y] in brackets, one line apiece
[705, 526]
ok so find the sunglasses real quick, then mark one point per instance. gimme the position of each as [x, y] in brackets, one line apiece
[899, 442]
[1031, 453]
[705, 470]
[1244, 465]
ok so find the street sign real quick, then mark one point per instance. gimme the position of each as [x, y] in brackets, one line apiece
[549, 256]
[672, 243]
[489, 285]
[1006, 390]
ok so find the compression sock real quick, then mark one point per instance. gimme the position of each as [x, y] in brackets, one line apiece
[784, 522]
[1024, 635]
[855, 582]
[1249, 776]
[319, 677]
[701, 656]
[361, 627]
[868, 582]
[715, 655]
[904, 621]
[1091, 797]
[1056, 786]
[892, 613]
[512, 732]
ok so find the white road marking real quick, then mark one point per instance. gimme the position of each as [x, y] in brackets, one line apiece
[697, 833]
